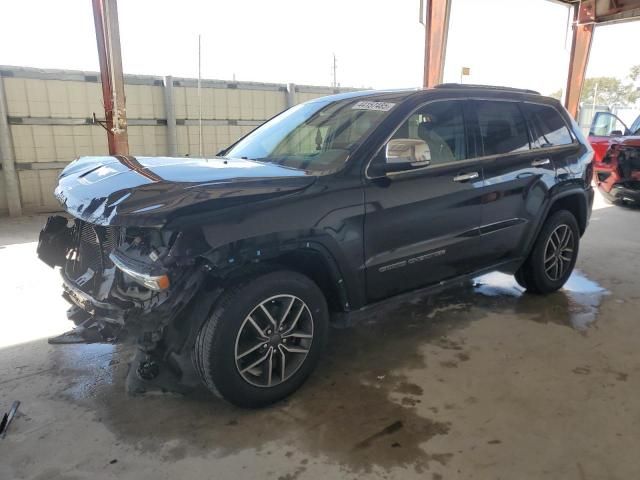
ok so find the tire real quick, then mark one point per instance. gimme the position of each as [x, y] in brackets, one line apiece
[538, 276]
[521, 278]
[233, 328]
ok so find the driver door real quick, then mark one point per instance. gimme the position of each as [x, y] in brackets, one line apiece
[422, 224]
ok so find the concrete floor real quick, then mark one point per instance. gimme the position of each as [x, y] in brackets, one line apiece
[482, 382]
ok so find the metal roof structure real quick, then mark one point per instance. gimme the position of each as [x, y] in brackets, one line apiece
[587, 14]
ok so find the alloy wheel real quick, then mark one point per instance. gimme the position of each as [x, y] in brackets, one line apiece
[274, 340]
[559, 252]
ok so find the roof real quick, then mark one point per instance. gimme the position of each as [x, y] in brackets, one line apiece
[364, 93]
[467, 86]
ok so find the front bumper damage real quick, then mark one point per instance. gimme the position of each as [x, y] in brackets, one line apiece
[135, 286]
[620, 182]
[627, 192]
[108, 276]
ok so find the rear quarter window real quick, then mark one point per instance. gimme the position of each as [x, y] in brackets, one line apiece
[548, 128]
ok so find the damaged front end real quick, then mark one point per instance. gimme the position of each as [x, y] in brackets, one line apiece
[123, 283]
[618, 175]
[137, 259]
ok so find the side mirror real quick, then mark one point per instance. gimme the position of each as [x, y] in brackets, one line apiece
[616, 133]
[405, 154]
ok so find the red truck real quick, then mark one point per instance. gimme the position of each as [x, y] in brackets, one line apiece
[617, 158]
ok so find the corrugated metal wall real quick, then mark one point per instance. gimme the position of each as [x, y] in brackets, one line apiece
[50, 114]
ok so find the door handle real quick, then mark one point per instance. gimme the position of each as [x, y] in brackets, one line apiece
[464, 177]
[540, 162]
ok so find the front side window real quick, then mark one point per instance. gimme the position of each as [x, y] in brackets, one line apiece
[548, 127]
[502, 127]
[315, 136]
[440, 125]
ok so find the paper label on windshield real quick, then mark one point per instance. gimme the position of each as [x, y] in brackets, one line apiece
[377, 106]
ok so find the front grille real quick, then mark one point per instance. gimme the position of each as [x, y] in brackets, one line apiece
[93, 246]
[89, 251]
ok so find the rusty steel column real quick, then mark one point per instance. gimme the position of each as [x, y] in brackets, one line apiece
[105, 16]
[435, 40]
[580, 47]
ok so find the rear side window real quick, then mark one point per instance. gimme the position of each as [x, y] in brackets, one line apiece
[547, 126]
[502, 127]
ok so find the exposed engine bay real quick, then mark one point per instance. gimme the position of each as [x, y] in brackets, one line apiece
[125, 284]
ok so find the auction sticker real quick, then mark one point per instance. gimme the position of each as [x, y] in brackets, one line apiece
[377, 106]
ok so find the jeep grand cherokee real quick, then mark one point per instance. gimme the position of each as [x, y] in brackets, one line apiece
[238, 262]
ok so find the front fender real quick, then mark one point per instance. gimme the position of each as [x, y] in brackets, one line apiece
[239, 255]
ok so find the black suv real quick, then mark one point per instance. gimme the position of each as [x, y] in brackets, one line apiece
[238, 262]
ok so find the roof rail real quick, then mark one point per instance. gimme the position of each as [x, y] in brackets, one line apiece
[487, 87]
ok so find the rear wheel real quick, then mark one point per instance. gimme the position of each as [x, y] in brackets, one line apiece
[263, 339]
[554, 255]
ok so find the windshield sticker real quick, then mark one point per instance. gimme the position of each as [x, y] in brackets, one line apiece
[377, 106]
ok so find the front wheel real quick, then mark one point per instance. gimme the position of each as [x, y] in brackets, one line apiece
[554, 255]
[263, 338]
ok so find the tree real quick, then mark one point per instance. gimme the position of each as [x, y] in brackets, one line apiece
[557, 94]
[611, 90]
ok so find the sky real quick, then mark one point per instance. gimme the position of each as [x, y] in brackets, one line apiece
[377, 43]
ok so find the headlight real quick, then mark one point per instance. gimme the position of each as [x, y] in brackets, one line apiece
[152, 282]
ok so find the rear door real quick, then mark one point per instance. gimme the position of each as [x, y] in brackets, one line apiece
[519, 170]
[421, 226]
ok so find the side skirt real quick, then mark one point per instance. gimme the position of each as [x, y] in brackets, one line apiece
[348, 319]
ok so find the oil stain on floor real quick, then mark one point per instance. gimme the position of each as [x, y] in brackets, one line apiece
[356, 411]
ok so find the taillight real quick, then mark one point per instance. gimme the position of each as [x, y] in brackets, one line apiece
[588, 174]
[588, 171]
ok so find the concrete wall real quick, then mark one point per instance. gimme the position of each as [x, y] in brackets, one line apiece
[50, 112]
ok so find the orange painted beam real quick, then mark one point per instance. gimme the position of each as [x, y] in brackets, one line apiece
[435, 41]
[580, 48]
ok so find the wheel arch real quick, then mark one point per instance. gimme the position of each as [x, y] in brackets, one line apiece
[574, 200]
[310, 258]
[576, 203]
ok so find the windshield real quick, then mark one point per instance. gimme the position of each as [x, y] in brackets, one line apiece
[315, 136]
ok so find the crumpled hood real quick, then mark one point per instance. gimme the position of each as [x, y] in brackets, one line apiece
[150, 191]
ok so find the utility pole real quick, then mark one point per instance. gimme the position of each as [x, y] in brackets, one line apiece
[335, 74]
[105, 16]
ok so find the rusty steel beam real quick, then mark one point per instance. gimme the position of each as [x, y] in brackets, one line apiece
[579, 58]
[608, 11]
[105, 15]
[586, 15]
[605, 11]
[435, 40]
